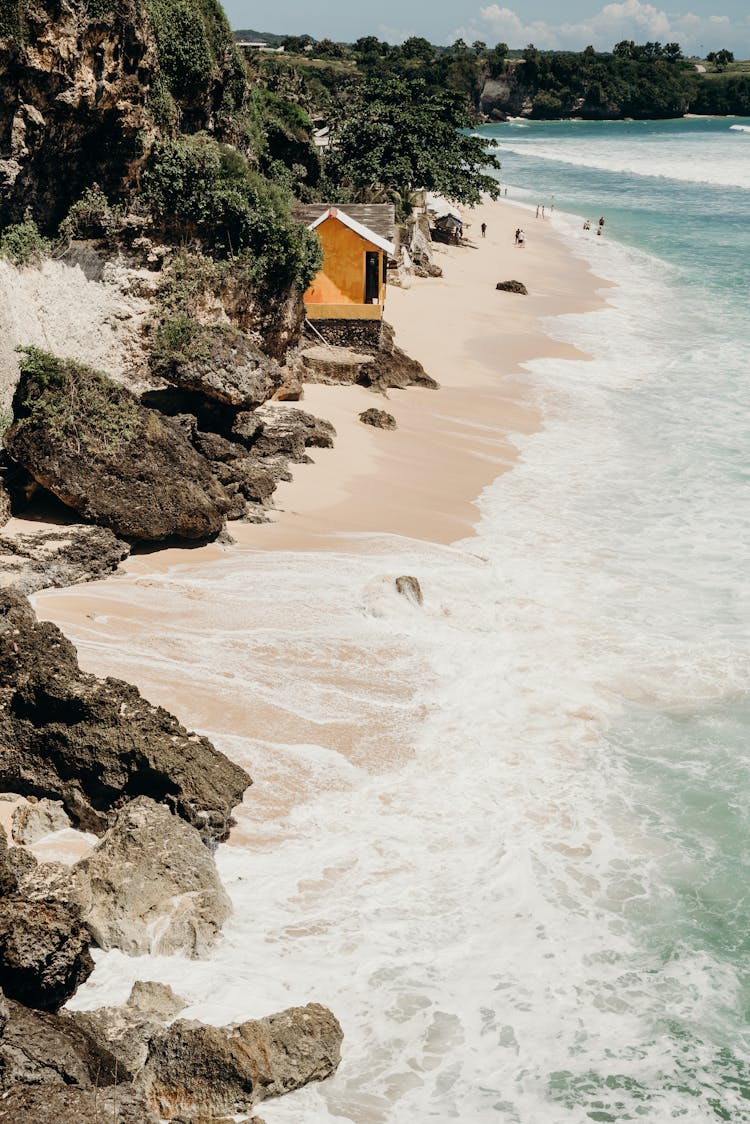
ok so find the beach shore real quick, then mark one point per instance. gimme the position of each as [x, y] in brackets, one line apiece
[416, 484]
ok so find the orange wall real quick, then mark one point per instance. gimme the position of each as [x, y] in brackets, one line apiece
[342, 278]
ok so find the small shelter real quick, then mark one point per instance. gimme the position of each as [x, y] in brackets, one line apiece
[357, 242]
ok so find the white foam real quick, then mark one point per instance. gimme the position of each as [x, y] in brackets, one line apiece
[463, 872]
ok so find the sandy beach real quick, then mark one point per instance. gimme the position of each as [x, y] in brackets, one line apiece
[416, 484]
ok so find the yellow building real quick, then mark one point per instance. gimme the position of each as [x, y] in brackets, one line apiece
[351, 284]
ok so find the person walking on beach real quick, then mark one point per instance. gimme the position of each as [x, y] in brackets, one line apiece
[484, 230]
[537, 210]
[601, 223]
[518, 234]
[521, 239]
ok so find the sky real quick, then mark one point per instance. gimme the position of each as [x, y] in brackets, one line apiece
[698, 26]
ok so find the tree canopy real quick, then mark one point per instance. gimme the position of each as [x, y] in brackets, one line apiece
[403, 135]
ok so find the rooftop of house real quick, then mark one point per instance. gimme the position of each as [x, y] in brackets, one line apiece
[380, 218]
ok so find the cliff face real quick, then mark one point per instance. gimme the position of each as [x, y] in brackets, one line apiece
[73, 111]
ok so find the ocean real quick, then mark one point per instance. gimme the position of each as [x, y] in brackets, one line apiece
[505, 837]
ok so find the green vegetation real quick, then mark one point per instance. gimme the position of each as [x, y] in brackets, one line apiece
[200, 189]
[92, 216]
[400, 135]
[11, 17]
[724, 94]
[22, 244]
[195, 45]
[77, 408]
[183, 340]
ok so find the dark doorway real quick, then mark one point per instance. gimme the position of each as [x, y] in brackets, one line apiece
[372, 277]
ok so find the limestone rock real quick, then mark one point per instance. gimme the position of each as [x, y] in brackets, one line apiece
[378, 418]
[334, 365]
[224, 365]
[126, 1032]
[92, 742]
[246, 427]
[21, 862]
[38, 559]
[254, 479]
[39, 1048]
[288, 432]
[194, 1069]
[8, 876]
[410, 588]
[108, 457]
[60, 1104]
[33, 821]
[512, 287]
[44, 952]
[151, 886]
[393, 368]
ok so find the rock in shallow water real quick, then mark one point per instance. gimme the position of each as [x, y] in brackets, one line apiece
[194, 1069]
[71, 1105]
[44, 952]
[92, 742]
[151, 886]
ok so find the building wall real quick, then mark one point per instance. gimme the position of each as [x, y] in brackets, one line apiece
[342, 278]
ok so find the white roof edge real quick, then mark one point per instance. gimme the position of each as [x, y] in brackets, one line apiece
[358, 228]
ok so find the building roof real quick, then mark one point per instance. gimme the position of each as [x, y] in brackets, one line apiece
[377, 218]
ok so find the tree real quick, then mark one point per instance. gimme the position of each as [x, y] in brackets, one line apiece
[720, 59]
[404, 135]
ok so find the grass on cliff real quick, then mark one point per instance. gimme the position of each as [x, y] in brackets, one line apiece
[22, 243]
[181, 340]
[77, 408]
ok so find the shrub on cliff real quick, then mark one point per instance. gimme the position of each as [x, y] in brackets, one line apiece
[199, 188]
[22, 243]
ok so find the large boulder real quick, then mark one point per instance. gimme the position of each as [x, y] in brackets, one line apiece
[288, 432]
[151, 886]
[393, 368]
[32, 821]
[194, 1069]
[126, 1031]
[38, 559]
[61, 1104]
[93, 445]
[44, 952]
[8, 875]
[215, 360]
[39, 1048]
[93, 743]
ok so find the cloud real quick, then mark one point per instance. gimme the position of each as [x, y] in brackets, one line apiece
[627, 19]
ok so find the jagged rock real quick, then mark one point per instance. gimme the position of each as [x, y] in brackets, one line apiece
[334, 365]
[224, 365]
[93, 445]
[291, 389]
[246, 427]
[5, 503]
[40, 1048]
[74, 107]
[194, 1069]
[214, 447]
[393, 368]
[253, 478]
[155, 1000]
[512, 287]
[378, 418]
[21, 862]
[126, 1032]
[8, 875]
[150, 886]
[33, 821]
[93, 742]
[410, 588]
[289, 432]
[46, 882]
[65, 556]
[60, 1104]
[44, 952]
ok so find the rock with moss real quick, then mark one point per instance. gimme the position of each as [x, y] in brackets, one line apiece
[93, 445]
[215, 360]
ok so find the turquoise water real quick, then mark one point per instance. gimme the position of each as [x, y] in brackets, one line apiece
[670, 506]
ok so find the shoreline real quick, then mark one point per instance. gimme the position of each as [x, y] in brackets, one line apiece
[423, 480]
